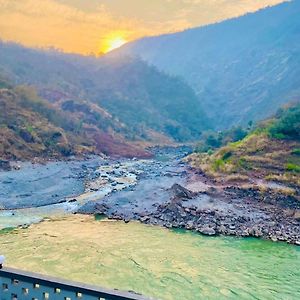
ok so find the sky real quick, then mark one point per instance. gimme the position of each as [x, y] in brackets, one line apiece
[98, 26]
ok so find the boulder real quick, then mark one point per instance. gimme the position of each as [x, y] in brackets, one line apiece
[207, 230]
[180, 193]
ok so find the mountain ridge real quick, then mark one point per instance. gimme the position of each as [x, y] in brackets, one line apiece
[248, 65]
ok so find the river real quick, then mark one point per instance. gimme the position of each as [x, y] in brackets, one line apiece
[157, 262]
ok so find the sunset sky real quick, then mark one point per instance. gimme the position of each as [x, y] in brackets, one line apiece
[97, 26]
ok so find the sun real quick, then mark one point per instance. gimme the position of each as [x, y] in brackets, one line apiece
[114, 43]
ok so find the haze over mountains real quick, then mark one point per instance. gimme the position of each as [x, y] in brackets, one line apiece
[133, 99]
[241, 69]
[162, 89]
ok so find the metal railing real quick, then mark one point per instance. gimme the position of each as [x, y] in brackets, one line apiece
[22, 285]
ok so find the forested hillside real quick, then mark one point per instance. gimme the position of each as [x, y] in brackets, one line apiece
[32, 127]
[143, 104]
[241, 69]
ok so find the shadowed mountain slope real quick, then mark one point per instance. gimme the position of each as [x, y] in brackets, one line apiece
[242, 69]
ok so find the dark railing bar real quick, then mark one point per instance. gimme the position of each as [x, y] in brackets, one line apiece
[53, 282]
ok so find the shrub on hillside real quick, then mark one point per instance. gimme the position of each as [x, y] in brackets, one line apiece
[212, 140]
[287, 126]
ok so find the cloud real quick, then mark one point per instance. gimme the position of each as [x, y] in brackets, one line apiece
[48, 23]
[211, 11]
[70, 27]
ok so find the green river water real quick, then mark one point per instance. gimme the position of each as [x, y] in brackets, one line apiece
[157, 262]
[185, 265]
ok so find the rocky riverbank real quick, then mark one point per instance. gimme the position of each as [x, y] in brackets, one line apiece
[32, 192]
[213, 213]
[210, 210]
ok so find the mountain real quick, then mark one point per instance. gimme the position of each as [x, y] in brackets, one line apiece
[242, 69]
[119, 95]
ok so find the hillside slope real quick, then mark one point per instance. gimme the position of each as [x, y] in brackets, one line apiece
[27, 131]
[30, 127]
[249, 65]
[270, 153]
[150, 105]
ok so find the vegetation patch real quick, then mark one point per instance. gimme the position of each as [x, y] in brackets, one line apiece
[296, 151]
[293, 168]
[218, 165]
[287, 124]
[270, 150]
[7, 230]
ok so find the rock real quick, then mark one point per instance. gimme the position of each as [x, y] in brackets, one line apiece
[256, 231]
[194, 213]
[207, 231]
[144, 219]
[282, 238]
[182, 214]
[5, 165]
[100, 208]
[72, 200]
[245, 232]
[222, 229]
[232, 226]
[179, 192]
[211, 225]
[190, 225]
[274, 238]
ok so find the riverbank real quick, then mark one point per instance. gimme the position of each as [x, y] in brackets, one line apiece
[35, 191]
[177, 196]
[165, 264]
[231, 211]
[164, 191]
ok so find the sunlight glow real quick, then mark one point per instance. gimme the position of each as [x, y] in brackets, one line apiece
[114, 43]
